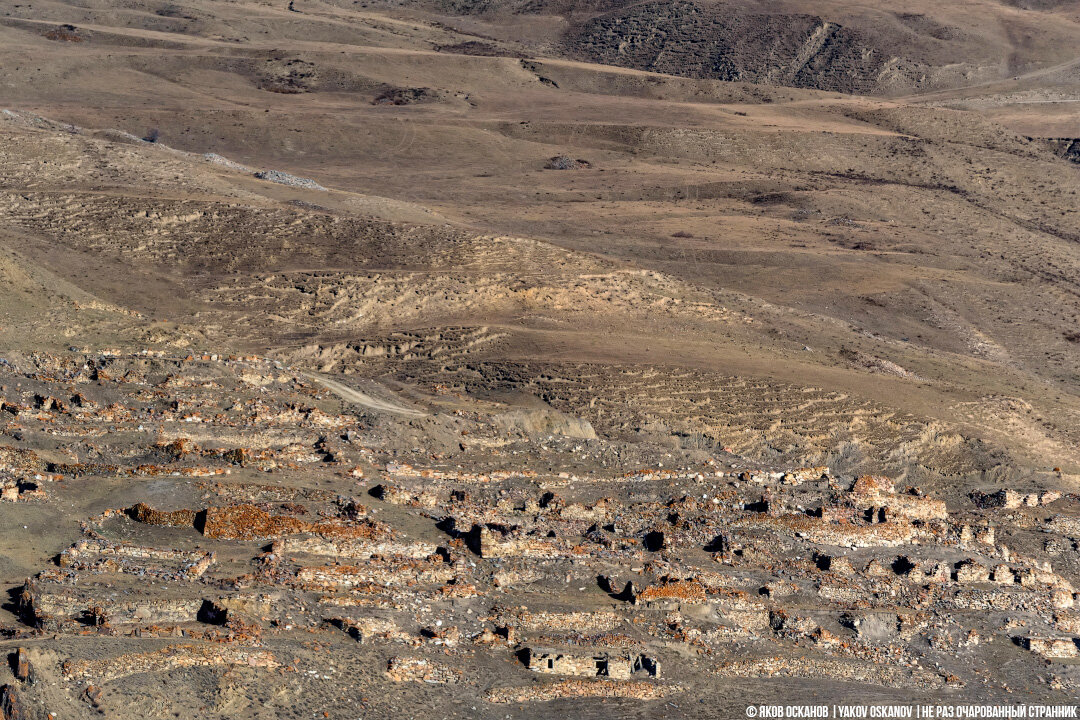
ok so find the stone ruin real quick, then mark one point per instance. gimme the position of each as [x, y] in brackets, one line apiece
[300, 525]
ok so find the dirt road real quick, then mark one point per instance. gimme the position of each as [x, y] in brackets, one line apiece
[355, 396]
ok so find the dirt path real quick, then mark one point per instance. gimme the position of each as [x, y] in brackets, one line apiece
[360, 398]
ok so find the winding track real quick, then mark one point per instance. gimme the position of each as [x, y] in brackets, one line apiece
[360, 398]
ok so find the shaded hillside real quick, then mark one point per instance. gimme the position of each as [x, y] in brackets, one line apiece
[851, 52]
[687, 39]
